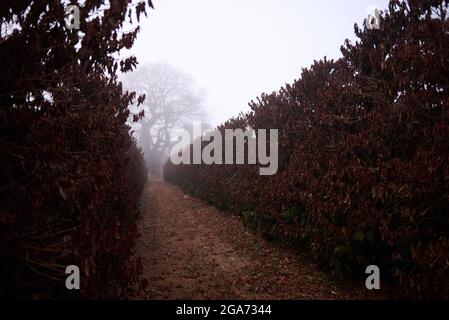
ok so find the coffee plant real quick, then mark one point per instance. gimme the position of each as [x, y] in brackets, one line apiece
[70, 172]
[363, 155]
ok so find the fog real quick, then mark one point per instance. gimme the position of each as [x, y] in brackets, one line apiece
[237, 50]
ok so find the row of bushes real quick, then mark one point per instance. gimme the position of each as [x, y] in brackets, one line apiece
[363, 155]
[70, 172]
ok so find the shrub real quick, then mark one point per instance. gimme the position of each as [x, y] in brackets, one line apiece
[363, 157]
[71, 175]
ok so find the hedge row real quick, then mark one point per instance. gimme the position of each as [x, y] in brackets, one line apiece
[70, 172]
[363, 155]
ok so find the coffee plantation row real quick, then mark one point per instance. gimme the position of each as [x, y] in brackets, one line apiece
[71, 174]
[363, 156]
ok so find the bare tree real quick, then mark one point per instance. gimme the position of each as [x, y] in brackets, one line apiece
[172, 100]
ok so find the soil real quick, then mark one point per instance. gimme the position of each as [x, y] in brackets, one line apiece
[191, 250]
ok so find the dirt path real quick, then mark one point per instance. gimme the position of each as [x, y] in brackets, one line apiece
[194, 251]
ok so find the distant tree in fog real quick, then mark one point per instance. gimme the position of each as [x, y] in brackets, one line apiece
[172, 101]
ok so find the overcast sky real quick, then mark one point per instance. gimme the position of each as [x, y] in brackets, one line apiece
[238, 49]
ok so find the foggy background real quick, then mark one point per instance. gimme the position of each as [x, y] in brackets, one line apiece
[236, 50]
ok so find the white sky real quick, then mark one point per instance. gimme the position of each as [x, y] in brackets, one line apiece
[237, 49]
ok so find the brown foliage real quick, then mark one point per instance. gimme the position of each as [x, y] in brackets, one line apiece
[70, 173]
[363, 156]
